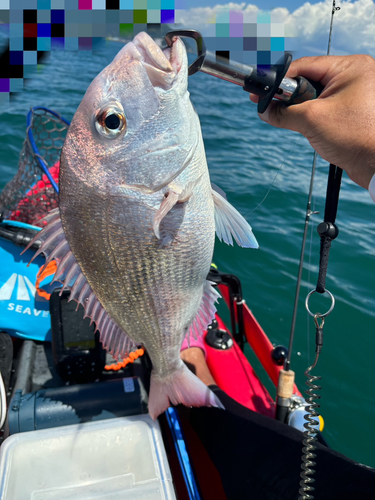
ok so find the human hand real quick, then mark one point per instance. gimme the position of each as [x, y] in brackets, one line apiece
[340, 124]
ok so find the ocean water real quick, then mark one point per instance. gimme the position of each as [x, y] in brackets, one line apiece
[248, 159]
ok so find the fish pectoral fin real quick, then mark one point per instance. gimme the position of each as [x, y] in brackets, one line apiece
[175, 194]
[229, 222]
[206, 312]
[56, 247]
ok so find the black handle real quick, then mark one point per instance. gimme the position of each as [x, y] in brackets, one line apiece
[305, 91]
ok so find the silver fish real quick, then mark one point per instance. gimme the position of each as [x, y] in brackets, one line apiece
[134, 233]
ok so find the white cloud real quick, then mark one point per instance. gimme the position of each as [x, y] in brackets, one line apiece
[353, 28]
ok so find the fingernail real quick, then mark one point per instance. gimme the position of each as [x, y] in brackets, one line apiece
[265, 116]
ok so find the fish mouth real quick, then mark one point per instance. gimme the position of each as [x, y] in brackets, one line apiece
[162, 65]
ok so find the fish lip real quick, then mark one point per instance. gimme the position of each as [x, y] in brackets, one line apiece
[163, 73]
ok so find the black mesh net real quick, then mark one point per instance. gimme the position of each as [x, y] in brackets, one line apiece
[29, 196]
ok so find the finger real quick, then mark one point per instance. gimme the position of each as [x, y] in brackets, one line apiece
[254, 98]
[297, 117]
[318, 69]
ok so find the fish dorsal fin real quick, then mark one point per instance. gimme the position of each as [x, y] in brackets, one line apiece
[206, 312]
[55, 247]
[230, 223]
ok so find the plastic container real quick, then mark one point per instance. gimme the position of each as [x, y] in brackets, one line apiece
[117, 459]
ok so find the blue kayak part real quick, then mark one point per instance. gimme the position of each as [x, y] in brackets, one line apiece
[182, 453]
[23, 313]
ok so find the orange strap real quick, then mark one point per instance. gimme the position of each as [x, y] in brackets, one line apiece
[42, 274]
[130, 359]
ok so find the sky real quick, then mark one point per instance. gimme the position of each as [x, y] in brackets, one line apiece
[307, 23]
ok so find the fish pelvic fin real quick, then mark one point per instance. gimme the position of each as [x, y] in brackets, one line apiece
[179, 387]
[68, 272]
[230, 223]
[206, 312]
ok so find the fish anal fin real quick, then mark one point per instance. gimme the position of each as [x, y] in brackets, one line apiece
[206, 311]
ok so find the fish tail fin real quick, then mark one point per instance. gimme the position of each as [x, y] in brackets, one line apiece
[181, 387]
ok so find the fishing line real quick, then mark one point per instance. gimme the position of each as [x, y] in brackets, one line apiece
[277, 173]
[308, 278]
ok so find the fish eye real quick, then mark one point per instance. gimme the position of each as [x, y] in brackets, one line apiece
[110, 121]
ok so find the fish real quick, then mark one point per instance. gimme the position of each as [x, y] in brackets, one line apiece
[133, 236]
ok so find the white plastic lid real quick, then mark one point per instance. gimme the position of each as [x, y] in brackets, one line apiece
[121, 458]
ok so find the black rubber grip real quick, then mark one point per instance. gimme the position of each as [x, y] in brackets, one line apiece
[305, 91]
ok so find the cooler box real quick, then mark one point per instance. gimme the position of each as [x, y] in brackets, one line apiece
[122, 458]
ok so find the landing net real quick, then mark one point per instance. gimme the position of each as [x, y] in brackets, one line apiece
[33, 191]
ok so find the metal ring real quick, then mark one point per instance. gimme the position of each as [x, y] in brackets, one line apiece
[329, 310]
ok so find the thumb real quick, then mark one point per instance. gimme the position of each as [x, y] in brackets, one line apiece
[296, 117]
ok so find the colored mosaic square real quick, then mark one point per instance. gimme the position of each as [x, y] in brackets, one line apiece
[277, 44]
[140, 4]
[250, 30]
[263, 58]
[99, 30]
[16, 85]
[15, 57]
[263, 43]
[4, 85]
[15, 29]
[263, 17]
[44, 44]
[112, 17]
[30, 30]
[140, 16]
[16, 43]
[167, 16]
[85, 4]
[236, 30]
[44, 4]
[153, 17]
[222, 17]
[16, 16]
[57, 30]
[112, 4]
[30, 43]
[222, 30]
[30, 16]
[71, 5]
[30, 58]
[71, 43]
[250, 43]
[126, 4]
[126, 29]
[98, 4]
[84, 43]
[167, 4]
[44, 30]
[57, 16]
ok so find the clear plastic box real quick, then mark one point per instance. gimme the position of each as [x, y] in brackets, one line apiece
[116, 459]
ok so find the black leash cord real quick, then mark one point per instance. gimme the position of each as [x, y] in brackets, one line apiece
[328, 230]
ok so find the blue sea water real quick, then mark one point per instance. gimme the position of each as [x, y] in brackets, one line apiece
[248, 159]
